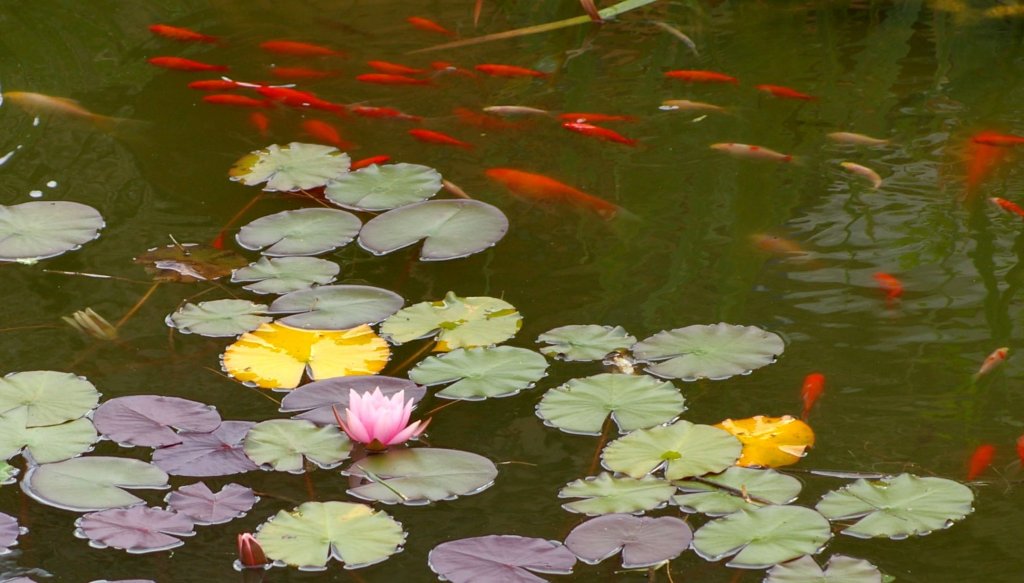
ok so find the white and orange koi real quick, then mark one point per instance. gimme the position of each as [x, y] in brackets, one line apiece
[992, 361]
[751, 152]
[864, 172]
[687, 105]
[856, 139]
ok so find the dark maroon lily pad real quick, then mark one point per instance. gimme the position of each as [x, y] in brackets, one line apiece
[9, 532]
[138, 529]
[147, 420]
[204, 507]
[505, 558]
[317, 398]
[218, 453]
[644, 541]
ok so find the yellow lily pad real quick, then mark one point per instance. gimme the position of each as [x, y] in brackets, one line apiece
[275, 356]
[770, 441]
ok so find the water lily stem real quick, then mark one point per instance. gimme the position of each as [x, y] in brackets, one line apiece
[308, 479]
[236, 216]
[408, 361]
[734, 491]
[605, 429]
[137, 305]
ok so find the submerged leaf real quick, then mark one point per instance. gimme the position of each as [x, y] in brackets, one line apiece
[217, 453]
[839, 569]
[505, 558]
[605, 494]
[294, 166]
[219, 317]
[318, 399]
[309, 231]
[136, 530]
[644, 541]
[450, 229]
[189, 262]
[147, 420]
[282, 275]
[481, 373]
[762, 537]
[91, 483]
[715, 351]
[9, 533]
[42, 229]
[585, 342]
[684, 449]
[49, 397]
[284, 443]
[336, 307]
[457, 322]
[203, 506]
[770, 442]
[634, 402]
[383, 187]
[418, 476]
[744, 489]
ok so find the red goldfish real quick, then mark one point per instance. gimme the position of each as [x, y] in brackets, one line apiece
[692, 76]
[235, 100]
[370, 111]
[484, 121]
[301, 73]
[296, 98]
[428, 25]
[326, 133]
[1020, 449]
[213, 85]
[1007, 206]
[980, 460]
[298, 49]
[863, 171]
[996, 139]
[785, 92]
[992, 361]
[368, 162]
[261, 122]
[182, 34]
[814, 386]
[181, 64]
[598, 132]
[393, 68]
[594, 117]
[892, 287]
[508, 71]
[752, 152]
[982, 160]
[387, 79]
[432, 137]
[540, 188]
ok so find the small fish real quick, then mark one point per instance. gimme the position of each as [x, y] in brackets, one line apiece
[1007, 206]
[382, 112]
[508, 71]
[214, 85]
[478, 7]
[980, 460]
[1020, 449]
[864, 171]
[992, 361]
[540, 188]
[235, 100]
[301, 73]
[428, 25]
[515, 110]
[598, 132]
[393, 68]
[594, 117]
[182, 34]
[856, 139]
[997, 139]
[326, 133]
[299, 49]
[813, 387]
[679, 35]
[446, 67]
[785, 92]
[687, 105]
[261, 122]
[892, 286]
[752, 152]
[180, 64]
[387, 79]
[777, 245]
[484, 121]
[982, 161]
[432, 137]
[697, 76]
[295, 98]
[454, 189]
[39, 104]
[358, 164]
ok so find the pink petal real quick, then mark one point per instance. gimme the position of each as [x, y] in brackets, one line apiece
[355, 428]
[408, 433]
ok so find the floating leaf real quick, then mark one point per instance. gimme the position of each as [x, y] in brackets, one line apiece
[770, 441]
[8, 474]
[319, 398]
[378, 188]
[457, 322]
[715, 351]
[218, 317]
[147, 420]
[481, 373]
[418, 476]
[217, 453]
[200, 504]
[763, 485]
[634, 402]
[450, 229]
[9, 533]
[41, 229]
[275, 356]
[644, 541]
[684, 449]
[44, 444]
[282, 275]
[189, 263]
[585, 342]
[840, 569]
[310, 535]
[294, 166]
[336, 307]
[309, 231]
[505, 558]
[48, 396]
[86, 484]
[283, 443]
[136, 530]
[607, 495]
[898, 507]
[762, 537]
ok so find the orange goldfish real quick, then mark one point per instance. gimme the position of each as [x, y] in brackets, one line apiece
[777, 245]
[508, 71]
[182, 34]
[1007, 206]
[326, 133]
[693, 76]
[752, 152]
[992, 361]
[181, 64]
[997, 139]
[432, 137]
[39, 104]
[814, 386]
[235, 100]
[1020, 449]
[982, 159]
[980, 460]
[214, 85]
[261, 122]
[892, 286]
[484, 121]
[785, 92]
[301, 73]
[295, 98]
[598, 132]
[368, 162]
[299, 49]
[864, 171]
[428, 25]
[388, 79]
[393, 68]
[856, 139]
[540, 188]
[388, 112]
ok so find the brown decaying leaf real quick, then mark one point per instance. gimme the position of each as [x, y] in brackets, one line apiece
[189, 262]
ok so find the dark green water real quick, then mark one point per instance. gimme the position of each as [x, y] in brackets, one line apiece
[897, 396]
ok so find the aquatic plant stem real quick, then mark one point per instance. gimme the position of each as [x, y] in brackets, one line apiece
[260, 391]
[408, 361]
[131, 312]
[734, 491]
[307, 478]
[245, 208]
[605, 429]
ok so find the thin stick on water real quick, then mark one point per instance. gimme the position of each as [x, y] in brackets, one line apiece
[408, 361]
[605, 429]
[734, 491]
[97, 276]
[440, 407]
[454, 189]
[134, 309]
[261, 392]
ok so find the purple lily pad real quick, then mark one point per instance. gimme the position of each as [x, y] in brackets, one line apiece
[317, 398]
[218, 453]
[644, 541]
[9, 532]
[200, 504]
[146, 420]
[505, 558]
[138, 529]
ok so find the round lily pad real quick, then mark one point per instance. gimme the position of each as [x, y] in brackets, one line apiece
[218, 317]
[421, 475]
[715, 351]
[378, 188]
[217, 453]
[683, 449]
[147, 420]
[136, 530]
[294, 166]
[585, 342]
[336, 307]
[283, 443]
[457, 322]
[634, 402]
[643, 541]
[282, 275]
[41, 229]
[48, 396]
[839, 569]
[204, 506]
[481, 373]
[741, 486]
[91, 483]
[450, 229]
[770, 442]
[9, 532]
[315, 532]
[898, 507]
[299, 232]
[604, 494]
[318, 399]
[189, 262]
[505, 558]
[763, 537]
[44, 444]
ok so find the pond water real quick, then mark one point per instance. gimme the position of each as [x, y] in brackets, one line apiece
[899, 396]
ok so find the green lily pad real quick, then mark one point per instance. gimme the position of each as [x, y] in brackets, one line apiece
[218, 318]
[764, 485]
[898, 507]
[585, 342]
[715, 351]
[457, 322]
[50, 397]
[189, 262]
[763, 537]
[8, 474]
[336, 307]
[450, 229]
[283, 443]
[839, 569]
[46, 444]
[378, 188]
[683, 448]
[315, 532]
[422, 475]
[481, 373]
[300, 232]
[282, 275]
[41, 229]
[634, 402]
[294, 166]
[86, 484]
[605, 494]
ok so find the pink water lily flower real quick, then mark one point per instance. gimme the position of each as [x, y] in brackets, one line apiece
[379, 421]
